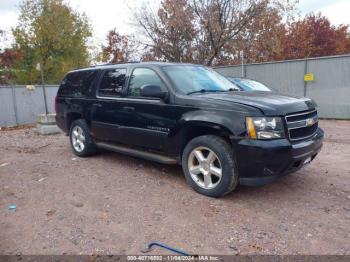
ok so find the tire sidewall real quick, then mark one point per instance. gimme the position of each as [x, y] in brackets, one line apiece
[88, 144]
[224, 153]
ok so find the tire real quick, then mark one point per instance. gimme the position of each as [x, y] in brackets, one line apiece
[87, 146]
[199, 174]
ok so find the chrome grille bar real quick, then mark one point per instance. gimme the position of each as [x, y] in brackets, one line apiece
[306, 122]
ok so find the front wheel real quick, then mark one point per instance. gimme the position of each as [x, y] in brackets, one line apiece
[209, 166]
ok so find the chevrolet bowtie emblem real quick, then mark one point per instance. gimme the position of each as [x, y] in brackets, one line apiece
[310, 121]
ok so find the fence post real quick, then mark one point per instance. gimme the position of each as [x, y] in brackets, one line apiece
[243, 73]
[243, 70]
[305, 72]
[45, 99]
[14, 103]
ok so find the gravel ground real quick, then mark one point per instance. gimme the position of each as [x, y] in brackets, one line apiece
[115, 204]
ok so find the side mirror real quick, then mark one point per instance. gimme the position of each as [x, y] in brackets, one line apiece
[153, 91]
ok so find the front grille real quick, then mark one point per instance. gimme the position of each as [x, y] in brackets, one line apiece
[302, 125]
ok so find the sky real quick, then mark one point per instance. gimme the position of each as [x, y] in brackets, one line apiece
[105, 15]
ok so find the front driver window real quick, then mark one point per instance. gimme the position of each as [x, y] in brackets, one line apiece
[140, 77]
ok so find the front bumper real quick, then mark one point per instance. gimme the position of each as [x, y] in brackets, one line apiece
[261, 162]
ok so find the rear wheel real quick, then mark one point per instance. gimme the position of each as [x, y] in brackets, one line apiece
[81, 141]
[209, 167]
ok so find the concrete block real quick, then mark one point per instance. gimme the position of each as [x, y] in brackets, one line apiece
[50, 129]
[46, 119]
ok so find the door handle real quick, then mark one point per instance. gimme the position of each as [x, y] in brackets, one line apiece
[97, 105]
[129, 108]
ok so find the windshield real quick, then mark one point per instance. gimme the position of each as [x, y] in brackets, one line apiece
[251, 85]
[191, 79]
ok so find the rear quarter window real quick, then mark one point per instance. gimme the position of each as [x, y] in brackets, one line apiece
[77, 84]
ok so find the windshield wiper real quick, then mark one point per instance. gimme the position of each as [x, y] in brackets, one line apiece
[233, 89]
[204, 91]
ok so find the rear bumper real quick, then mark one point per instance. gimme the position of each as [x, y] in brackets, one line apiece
[262, 162]
[61, 123]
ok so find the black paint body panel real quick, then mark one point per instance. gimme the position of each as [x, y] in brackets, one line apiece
[162, 125]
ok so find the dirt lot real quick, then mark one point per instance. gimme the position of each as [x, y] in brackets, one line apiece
[115, 204]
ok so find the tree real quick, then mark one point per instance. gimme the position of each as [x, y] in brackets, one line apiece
[2, 35]
[314, 36]
[119, 48]
[3, 39]
[260, 41]
[222, 20]
[50, 33]
[8, 59]
[170, 32]
[211, 31]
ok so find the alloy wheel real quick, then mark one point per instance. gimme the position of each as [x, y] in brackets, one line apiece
[78, 139]
[205, 167]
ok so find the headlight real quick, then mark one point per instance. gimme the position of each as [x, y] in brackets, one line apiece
[264, 127]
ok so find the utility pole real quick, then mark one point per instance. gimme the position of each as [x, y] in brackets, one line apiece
[43, 85]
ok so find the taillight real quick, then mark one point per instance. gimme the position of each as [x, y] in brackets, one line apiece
[56, 106]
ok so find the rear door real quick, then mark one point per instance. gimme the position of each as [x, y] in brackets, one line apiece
[107, 114]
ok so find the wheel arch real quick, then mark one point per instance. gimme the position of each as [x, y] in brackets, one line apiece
[71, 117]
[195, 128]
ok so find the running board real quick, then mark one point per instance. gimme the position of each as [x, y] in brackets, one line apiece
[138, 153]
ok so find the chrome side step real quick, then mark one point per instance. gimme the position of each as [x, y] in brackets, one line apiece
[137, 153]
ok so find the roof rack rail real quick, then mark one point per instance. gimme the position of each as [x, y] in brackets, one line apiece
[118, 63]
[105, 64]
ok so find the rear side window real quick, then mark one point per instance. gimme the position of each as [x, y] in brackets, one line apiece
[77, 84]
[112, 82]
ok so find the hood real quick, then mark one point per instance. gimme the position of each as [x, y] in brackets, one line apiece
[270, 103]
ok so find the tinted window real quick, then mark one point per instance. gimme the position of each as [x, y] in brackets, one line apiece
[112, 82]
[140, 77]
[77, 84]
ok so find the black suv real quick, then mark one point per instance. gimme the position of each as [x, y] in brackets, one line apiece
[190, 115]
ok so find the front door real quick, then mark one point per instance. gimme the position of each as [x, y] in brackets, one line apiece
[150, 118]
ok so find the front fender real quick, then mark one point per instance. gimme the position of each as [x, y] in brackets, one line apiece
[230, 121]
[201, 122]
